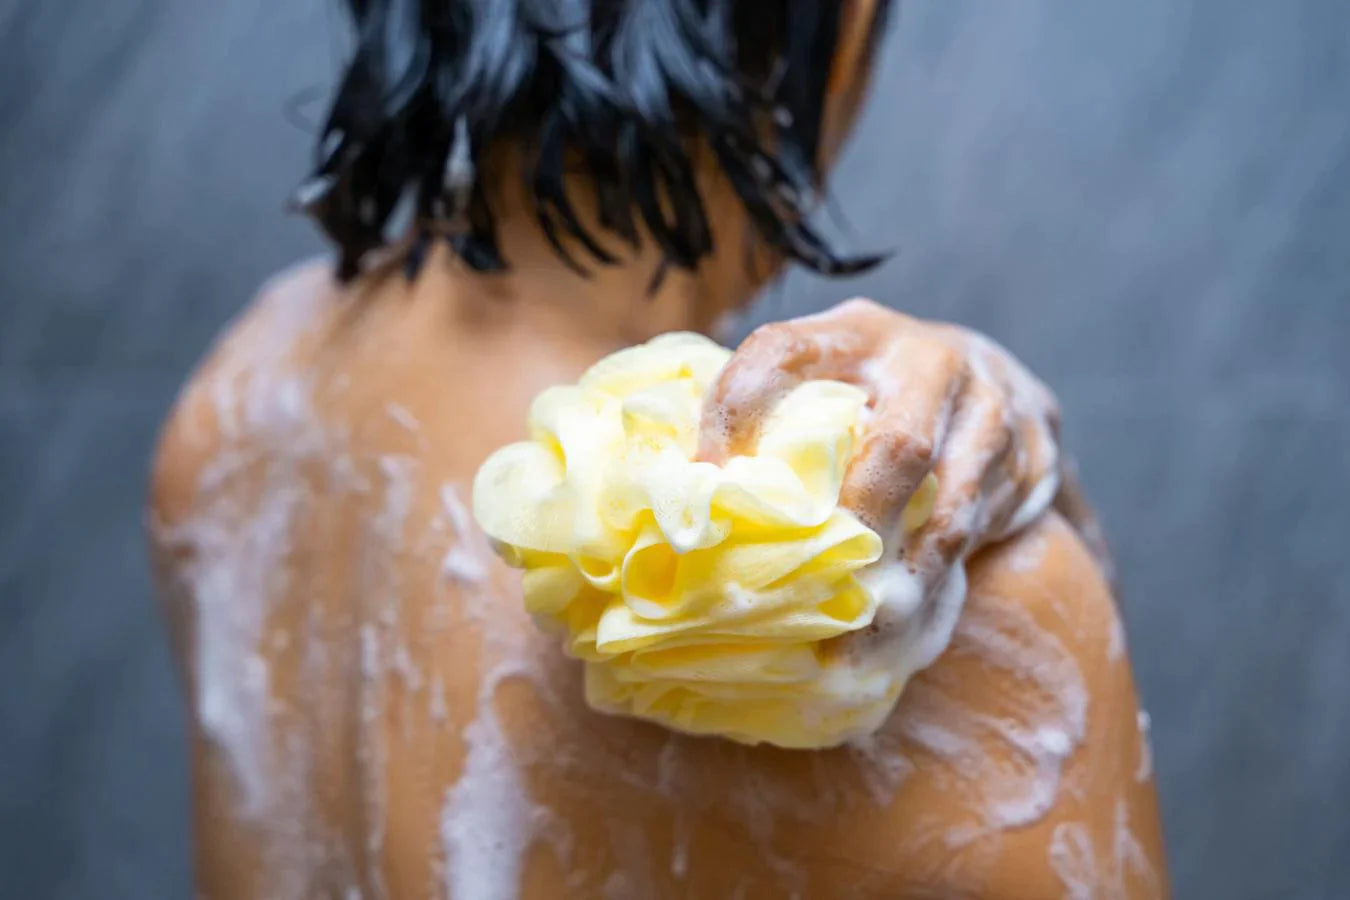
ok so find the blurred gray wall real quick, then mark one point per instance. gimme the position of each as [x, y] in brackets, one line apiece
[1148, 201]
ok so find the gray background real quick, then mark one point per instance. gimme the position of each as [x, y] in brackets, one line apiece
[1148, 201]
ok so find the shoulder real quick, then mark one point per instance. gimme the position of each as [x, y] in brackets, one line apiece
[1032, 712]
[1050, 572]
[223, 396]
[203, 477]
[1013, 767]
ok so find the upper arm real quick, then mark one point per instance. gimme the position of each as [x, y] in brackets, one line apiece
[1027, 730]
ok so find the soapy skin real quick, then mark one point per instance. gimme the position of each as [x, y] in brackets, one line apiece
[700, 596]
[372, 712]
[726, 597]
[944, 400]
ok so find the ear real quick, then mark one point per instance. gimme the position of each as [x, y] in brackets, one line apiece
[860, 25]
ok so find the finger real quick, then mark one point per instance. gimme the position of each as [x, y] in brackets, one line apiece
[974, 482]
[916, 386]
[1034, 467]
[996, 473]
[1029, 398]
[777, 358]
[1033, 464]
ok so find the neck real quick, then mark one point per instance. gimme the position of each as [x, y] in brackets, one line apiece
[615, 304]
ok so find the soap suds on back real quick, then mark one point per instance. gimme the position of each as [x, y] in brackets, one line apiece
[488, 821]
[229, 565]
[238, 563]
[371, 749]
[402, 417]
[882, 765]
[400, 488]
[238, 548]
[461, 562]
[381, 645]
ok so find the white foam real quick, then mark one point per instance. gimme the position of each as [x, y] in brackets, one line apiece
[1129, 856]
[1074, 861]
[402, 417]
[882, 767]
[759, 805]
[1037, 501]
[400, 489]
[1115, 639]
[1026, 555]
[462, 562]
[679, 855]
[237, 552]
[487, 822]
[402, 664]
[371, 750]
[1037, 719]
[1144, 770]
[380, 646]
[228, 562]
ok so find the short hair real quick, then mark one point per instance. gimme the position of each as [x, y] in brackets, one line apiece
[624, 89]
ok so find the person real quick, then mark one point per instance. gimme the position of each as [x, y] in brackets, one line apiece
[516, 189]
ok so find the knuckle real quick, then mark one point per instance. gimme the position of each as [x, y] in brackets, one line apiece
[997, 438]
[773, 342]
[951, 360]
[921, 449]
[953, 543]
[770, 331]
[764, 335]
[948, 538]
[856, 305]
[899, 448]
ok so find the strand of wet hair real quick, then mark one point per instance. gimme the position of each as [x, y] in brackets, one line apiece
[624, 88]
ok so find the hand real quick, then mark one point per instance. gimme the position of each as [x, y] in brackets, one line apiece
[943, 399]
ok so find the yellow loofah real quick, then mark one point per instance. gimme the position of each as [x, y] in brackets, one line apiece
[701, 597]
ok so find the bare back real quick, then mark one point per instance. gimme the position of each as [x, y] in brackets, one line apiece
[375, 715]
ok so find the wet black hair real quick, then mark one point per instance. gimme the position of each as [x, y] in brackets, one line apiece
[629, 91]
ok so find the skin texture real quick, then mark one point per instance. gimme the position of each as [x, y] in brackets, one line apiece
[396, 651]
[373, 714]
